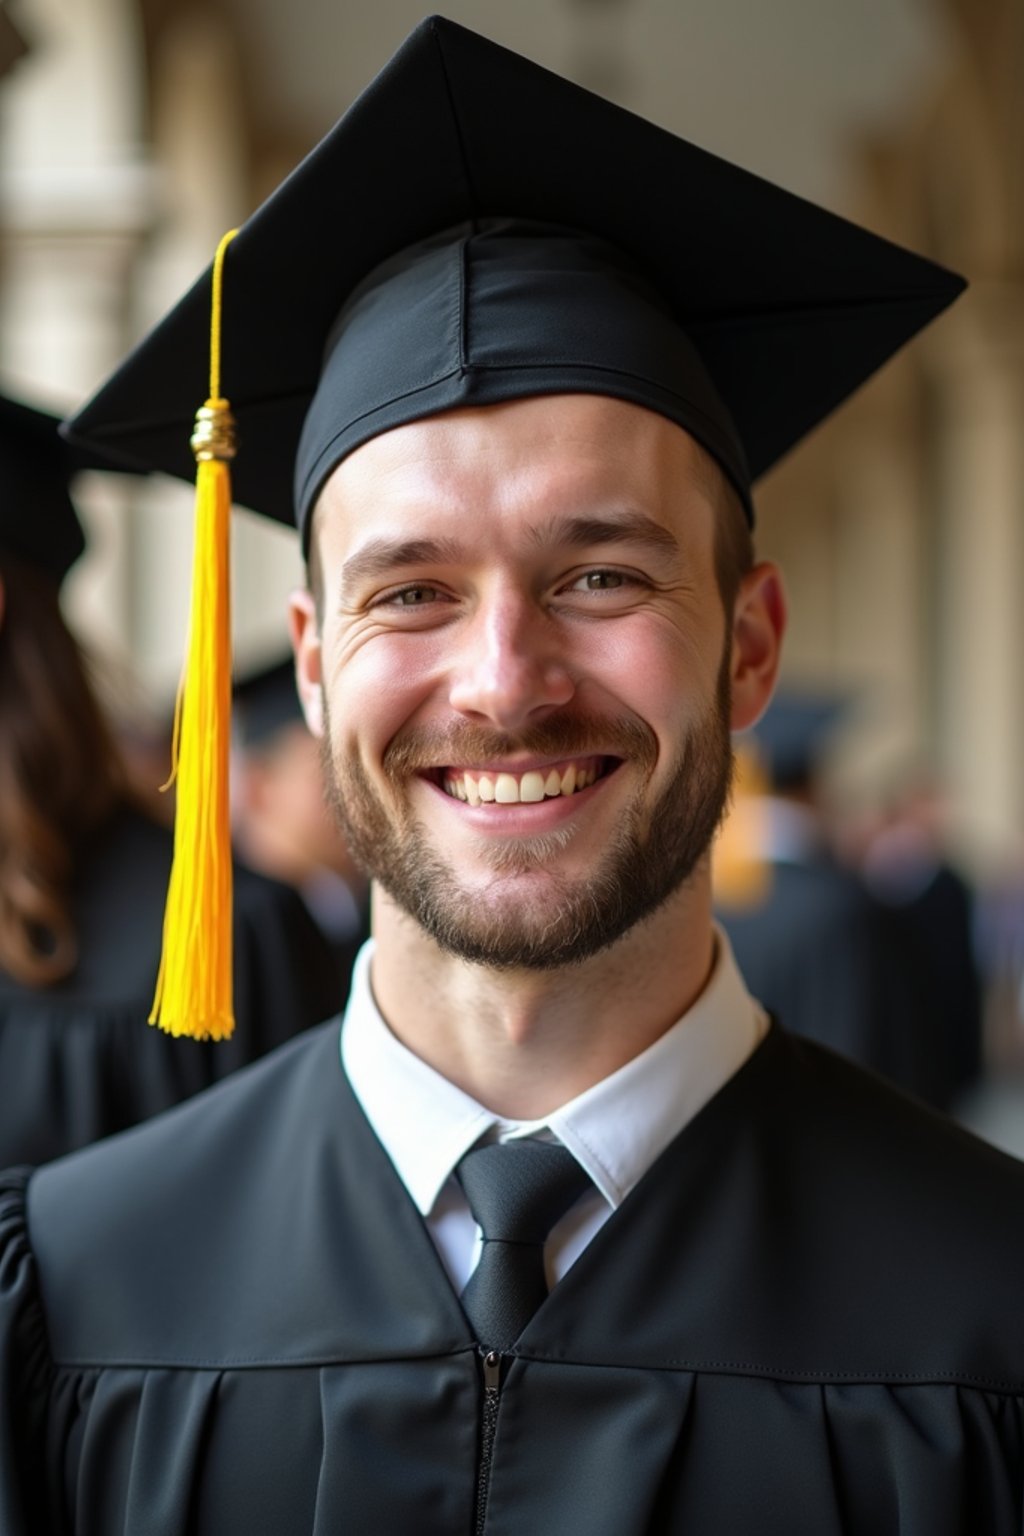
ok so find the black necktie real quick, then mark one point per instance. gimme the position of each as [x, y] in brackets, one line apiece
[517, 1191]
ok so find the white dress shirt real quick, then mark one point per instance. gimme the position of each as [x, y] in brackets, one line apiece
[615, 1130]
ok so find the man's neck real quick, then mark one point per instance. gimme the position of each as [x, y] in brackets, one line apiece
[524, 1042]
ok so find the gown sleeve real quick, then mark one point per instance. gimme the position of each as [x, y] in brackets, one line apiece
[25, 1369]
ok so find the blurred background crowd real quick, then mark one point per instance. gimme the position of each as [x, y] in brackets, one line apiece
[878, 827]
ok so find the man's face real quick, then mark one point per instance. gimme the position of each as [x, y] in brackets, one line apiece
[524, 665]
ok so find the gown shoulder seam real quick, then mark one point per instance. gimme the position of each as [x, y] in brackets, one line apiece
[868, 1377]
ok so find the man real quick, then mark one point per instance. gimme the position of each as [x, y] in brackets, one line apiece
[781, 1298]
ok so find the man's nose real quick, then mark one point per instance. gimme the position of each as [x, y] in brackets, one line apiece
[511, 668]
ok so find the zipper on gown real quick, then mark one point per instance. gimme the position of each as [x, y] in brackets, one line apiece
[491, 1362]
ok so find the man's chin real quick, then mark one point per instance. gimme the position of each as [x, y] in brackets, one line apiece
[517, 899]
[512, 944]
[528, 919]
[543, 859]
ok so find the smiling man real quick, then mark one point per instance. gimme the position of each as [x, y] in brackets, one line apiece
[572, 1237]
[535, 671]
[517, 610]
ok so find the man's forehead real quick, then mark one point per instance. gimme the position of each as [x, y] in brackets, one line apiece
[578, 451]
[551, 470]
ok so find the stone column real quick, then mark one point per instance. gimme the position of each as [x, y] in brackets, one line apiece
[980, 448]
[75, 203]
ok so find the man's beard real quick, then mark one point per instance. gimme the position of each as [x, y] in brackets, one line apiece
[654, 851]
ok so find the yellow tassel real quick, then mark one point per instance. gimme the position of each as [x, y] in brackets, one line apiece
[193, 990]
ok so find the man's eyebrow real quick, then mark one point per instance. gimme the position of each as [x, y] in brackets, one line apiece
[380, 556]
[609, 528]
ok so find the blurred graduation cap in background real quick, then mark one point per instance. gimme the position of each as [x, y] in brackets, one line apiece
[474, 230]
[38, 520]
[266, 699]
[795, 733]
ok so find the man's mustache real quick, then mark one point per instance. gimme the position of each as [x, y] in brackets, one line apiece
[560, 736]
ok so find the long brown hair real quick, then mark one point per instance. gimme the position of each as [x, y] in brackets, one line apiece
[59, 775]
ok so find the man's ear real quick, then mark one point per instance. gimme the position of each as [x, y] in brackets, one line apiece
[304, 630]
[758, 625]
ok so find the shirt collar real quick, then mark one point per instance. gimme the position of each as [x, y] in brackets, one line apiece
[615, 1129]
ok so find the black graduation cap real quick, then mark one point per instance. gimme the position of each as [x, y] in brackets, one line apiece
[266, 699]
[38, 521]
[794, 733]
[485, 230]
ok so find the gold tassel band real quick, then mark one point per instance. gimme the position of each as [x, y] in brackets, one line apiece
[214, 434]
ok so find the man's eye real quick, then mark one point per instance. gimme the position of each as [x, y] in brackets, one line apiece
[414, 597]
[600, 581]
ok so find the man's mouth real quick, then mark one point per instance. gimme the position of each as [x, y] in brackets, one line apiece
[491, 786]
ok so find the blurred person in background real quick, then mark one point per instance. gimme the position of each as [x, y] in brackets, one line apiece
[281, 822]
[1000, 942]
[905, 867]
[83, 872]
[813, 944]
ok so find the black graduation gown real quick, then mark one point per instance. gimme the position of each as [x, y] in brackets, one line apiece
[78, 1061]
[805, 1320]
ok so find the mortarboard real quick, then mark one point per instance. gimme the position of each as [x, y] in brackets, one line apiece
[793, 734]
[687, 277]
[476, 229]
[38, 521]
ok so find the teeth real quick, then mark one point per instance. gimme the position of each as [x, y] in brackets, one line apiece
[506, 790]
[530, 789]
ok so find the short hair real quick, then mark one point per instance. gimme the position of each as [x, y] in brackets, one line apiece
[734, 542]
